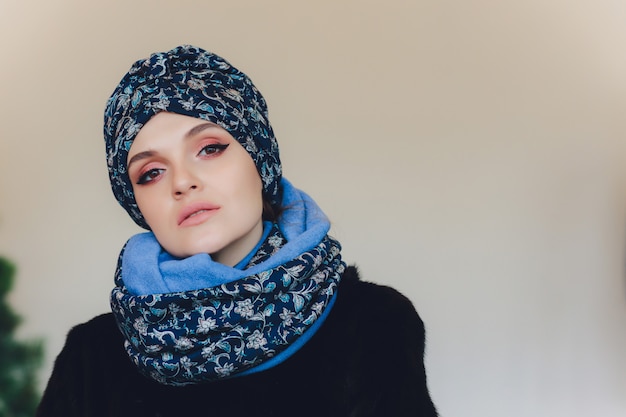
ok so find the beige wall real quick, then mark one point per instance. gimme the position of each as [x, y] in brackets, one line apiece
[469, 153]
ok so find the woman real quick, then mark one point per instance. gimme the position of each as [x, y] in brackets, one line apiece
[236, 302]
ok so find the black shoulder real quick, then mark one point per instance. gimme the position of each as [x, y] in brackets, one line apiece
[99, 332]
[103, 322]
[388, 376]
[381, 312]
[88, 339]
[90, 349]
[379, 302]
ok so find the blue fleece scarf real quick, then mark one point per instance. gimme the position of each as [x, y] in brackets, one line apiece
[192, 320]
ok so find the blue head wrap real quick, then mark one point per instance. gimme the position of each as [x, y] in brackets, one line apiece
[190, 81]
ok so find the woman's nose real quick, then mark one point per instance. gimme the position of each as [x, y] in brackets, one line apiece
[184, 180]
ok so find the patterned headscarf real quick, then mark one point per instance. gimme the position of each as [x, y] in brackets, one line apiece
[190, 81]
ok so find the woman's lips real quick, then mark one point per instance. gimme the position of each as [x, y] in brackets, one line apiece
[197, 213]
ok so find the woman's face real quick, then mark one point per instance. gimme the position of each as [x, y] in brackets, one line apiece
[197, 188]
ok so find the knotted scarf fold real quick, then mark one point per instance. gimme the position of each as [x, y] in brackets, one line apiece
[193, 320]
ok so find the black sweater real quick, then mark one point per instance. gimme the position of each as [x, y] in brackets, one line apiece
[365, 360]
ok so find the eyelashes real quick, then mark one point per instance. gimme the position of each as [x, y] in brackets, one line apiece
[150, 175]
[206, 152]
[212, 149]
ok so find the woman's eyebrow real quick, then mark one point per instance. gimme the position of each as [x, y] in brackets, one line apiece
[199, 128]
[139, 156]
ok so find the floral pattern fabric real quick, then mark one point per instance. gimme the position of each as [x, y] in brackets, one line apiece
[213, 333]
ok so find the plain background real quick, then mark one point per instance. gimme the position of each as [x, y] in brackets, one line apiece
[471, 154]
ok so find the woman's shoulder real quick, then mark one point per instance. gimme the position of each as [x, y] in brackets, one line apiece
[375, 300]
[91, 361]
[374, 339]
[96, 343]
[99, 328]
[104, 321]
[368, 316]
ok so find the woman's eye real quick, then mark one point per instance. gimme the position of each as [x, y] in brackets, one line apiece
[149, 175]
[212, 149]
